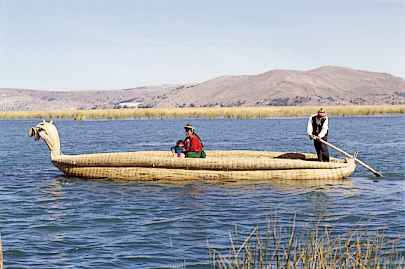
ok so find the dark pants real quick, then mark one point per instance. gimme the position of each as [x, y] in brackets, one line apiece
[321, 150]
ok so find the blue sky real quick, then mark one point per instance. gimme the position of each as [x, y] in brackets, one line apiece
[96, 44]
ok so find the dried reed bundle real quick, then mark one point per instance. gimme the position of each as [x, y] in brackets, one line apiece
[218, 166]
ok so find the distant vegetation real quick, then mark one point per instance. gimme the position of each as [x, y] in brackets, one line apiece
[202, 112]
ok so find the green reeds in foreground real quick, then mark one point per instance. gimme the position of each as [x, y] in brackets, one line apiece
[319, 248]
[204, 112]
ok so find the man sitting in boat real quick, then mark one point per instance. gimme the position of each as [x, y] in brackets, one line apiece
[193, 145]
[318, 128]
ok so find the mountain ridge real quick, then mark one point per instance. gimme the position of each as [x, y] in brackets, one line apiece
[325, 85]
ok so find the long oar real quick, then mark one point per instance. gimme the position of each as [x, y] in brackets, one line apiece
[375, 172]
[1, 255]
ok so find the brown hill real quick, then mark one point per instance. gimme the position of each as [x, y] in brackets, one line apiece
[327, 85]
[34, 100]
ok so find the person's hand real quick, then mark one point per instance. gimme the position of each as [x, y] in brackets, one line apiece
[311, 136]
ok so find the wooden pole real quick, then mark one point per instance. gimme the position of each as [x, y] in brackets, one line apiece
[1, 255]
[375, 172]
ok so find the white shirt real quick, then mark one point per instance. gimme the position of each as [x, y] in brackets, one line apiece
[318, 120]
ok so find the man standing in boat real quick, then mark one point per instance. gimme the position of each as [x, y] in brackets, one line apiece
[193, 145]
[318, 128]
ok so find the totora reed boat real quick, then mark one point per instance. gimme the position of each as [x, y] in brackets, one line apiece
[218, 166]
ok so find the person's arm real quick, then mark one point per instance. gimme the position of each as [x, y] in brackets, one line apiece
[173, 150]
[309, 127]
[324, 129]
[195, 144]
[187, 144]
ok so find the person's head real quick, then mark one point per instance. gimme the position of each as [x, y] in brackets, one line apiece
[180, 143]
[189, 129]
[321, 113]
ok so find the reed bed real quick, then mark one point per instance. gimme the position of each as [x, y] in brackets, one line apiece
[205, 112]
[318, 248]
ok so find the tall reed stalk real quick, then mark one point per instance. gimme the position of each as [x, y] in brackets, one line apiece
[319, 248]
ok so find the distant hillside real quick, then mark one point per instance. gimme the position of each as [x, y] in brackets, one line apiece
[328, 85]
[33, 100]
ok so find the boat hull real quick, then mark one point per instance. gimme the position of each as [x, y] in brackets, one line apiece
[164, 174]
[219, 166]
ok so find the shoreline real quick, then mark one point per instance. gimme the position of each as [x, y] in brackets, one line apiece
[270, 112]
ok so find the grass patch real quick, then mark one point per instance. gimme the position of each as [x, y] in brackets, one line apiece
[319, 248]
[204, 112]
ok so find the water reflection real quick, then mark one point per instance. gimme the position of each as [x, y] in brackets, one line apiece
[296, 185]
[55, 188]
[191, 186]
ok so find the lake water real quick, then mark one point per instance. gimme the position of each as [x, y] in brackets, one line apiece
[50, 221]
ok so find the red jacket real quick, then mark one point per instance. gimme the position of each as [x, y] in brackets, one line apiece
[193, 144]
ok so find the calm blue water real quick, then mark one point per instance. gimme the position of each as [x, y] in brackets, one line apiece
[50, 221]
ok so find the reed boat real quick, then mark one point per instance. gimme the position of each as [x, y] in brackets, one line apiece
[217, 166]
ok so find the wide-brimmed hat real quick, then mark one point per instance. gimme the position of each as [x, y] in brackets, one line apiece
[188, 126]
[322, 112]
